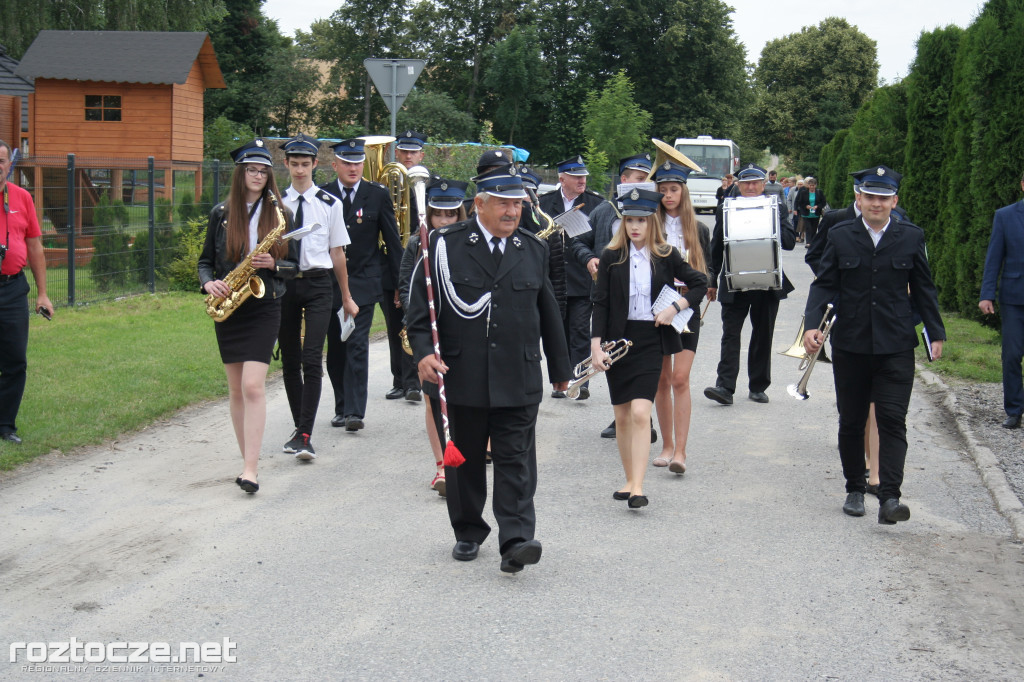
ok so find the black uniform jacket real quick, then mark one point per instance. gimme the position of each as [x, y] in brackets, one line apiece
[371, 216]
[611, 295]
[869, 288]
[830, 219]
[214, 263]
[494, 359]
[717, 263]
[578, 281]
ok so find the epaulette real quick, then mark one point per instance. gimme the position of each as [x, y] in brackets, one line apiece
[527, 233]
[593, 193]
[454, 227]
[326, 197]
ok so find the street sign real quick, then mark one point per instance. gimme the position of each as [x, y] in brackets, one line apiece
[394, 78]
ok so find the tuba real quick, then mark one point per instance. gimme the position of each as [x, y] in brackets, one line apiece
[394, 177]
[243, 280]
[667, 152]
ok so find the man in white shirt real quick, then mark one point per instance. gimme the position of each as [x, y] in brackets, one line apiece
[309, 295]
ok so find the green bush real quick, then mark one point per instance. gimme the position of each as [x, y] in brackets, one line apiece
[182, 272]
[112, 257]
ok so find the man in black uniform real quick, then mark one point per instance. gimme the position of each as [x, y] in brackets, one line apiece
[828, 221]
[572, 176]
[494, 307]
[761, 306]
[873, 269]
[369, 216]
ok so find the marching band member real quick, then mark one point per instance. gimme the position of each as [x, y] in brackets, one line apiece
[308, 297]
[693, 240]
[246, 338]
[761, 306]
[494, 307]
[637, 265]
[444, 207]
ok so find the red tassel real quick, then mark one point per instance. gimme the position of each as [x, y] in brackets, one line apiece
[452, 456]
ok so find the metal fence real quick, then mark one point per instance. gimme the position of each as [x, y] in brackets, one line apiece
[110, 227]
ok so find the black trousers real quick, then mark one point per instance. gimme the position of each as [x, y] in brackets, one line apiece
[303, 359]
[762, 307]
[393, 319]
[348, 363]
[886, 381]
[13, 349]
[578, 311]
[512, 431]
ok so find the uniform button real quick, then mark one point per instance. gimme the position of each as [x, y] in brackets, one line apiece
[494, 345]
[494, 305]
[494, 325]
[874, 303]
[874, 269]
[873, 287]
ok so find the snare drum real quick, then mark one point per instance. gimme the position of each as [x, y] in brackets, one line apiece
[753, 243]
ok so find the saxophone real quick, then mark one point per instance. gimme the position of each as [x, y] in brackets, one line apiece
[243, 280]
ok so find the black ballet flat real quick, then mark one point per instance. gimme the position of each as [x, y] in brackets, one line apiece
[620, 496]
[637, 501]
[247, 485]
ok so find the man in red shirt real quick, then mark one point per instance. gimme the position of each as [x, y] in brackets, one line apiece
[21, 244]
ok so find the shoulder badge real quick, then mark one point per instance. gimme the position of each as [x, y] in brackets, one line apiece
[474, 237]
[517, 241]
[326, 197]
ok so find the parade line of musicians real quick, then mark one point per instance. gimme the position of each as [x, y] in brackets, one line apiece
[499, 301]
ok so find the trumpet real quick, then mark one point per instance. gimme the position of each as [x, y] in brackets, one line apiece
[799, 389]
[584, 371]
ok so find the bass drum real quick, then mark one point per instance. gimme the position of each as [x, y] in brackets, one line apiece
[753, 243]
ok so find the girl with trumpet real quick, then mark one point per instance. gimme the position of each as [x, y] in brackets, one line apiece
[637, 265]
[246, 338]
[693, 240]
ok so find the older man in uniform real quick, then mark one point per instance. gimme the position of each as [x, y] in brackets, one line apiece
[370, 217]
[494, 307]
[873, 269]
[761, 306]
[573, 192]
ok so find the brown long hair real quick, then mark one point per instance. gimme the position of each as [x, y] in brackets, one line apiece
[460, 215]
[691, 234]
[238, 216]
[656, 245]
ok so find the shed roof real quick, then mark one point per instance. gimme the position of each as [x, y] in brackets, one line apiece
[159, 57]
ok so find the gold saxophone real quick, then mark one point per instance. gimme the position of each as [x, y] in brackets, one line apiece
[243, 280]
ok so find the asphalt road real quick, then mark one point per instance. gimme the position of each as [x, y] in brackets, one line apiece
[745, 568]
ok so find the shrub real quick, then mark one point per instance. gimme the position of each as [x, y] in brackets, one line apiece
[112, 257]
[182, 273]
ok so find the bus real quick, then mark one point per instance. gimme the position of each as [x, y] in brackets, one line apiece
[717, 158]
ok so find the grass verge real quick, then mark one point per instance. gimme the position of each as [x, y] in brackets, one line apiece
[971, 352]
[99, 371]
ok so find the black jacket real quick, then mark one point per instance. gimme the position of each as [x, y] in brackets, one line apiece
[494, 359]
[214, 263]
[817, 247]
[371, 217]
[611, 295]
[717, 262]
[803, 198]
[869, 288]
[578, 281]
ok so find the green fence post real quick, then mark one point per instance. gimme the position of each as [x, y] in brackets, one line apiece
[71, 230]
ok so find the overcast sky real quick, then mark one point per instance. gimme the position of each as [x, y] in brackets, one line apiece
[893, 24]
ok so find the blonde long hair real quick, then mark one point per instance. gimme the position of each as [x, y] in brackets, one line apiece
[691, 230]
[656, 245]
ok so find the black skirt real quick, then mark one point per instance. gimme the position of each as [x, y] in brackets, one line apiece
[249, 334]
[635, 376]
[690, 340]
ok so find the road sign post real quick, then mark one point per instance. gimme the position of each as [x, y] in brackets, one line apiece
[393, 79]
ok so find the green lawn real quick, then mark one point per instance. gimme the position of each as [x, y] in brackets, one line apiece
[971, 352]
[99, 371]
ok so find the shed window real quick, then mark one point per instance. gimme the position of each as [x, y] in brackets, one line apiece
[102, 107]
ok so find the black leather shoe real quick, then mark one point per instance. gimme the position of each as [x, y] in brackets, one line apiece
[465, 550]
[247, 485]
[758, 396]
[395, 394]
[557, 394]
[871, 490]
[637, 501]
[1011, 422]
[353, 423]
[620, 496]
[892, 511]
[609, 431]
[519, 555]
[413, 395]
[718, 393]
[338, 420]
[12, 437]
[854, 505]
[584, 393]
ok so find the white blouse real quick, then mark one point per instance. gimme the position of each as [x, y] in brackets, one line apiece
[254, 225]
[639, 285]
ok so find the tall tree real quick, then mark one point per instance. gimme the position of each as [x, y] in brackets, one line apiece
[517, 78]
[20, 21]
[613, 120]
[810, 85]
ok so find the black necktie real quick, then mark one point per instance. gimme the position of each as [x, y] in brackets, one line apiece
[298, 212]
[346, 200]
[496, 251]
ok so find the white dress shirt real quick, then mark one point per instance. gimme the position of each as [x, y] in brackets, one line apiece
[674, 233]
[488, 236]
[877, 236]
[254, 224]
[314, 248]
[639, 285]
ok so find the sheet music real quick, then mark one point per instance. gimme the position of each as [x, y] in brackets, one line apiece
[574, 222]
[664, 300]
